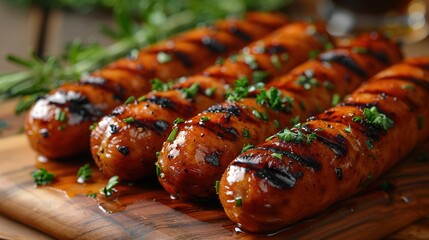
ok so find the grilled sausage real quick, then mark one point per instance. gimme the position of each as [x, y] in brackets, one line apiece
[341, 151]
[58, 124]
[193, 163]
[129, 150]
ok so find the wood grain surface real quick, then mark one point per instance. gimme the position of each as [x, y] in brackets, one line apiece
[147, 211]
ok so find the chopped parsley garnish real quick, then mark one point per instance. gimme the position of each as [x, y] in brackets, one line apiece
[108, 189]
[42, 177]
[307, 80]
[175, 129]
[204, 119]
[348, 129]
[129, 100]
[277, 155]
[91, 195]
[259, 76]
[159, 86]
[238, 202]
[158, 169]
[191, 91]
[250, 61]
[369, 144]
[157, 154]
[163, 57]
[241, 89]
[84, 173]
[313, 54]
[93, 126]
[408, 87]
[257, 114]
[217, 187]
[233, 58]
[420, 122]
[357, 119]
[276, 123]
[60, 115]
[295, 120]
[173, 134]
[296, 135]
[274, 100]
[209, 91]
[178, 120]
[275, 60]
[245, 133]
[247, 147]
[336, 98]
[284, 56]
[380, 120]
[129, 120]
[142, 98]
[219, 61]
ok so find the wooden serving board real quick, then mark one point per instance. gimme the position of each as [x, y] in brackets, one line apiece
[146, 211]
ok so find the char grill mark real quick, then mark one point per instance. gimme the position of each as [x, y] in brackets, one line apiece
[221, 131]
[306, 161]
[230, 109]
[344, 60]
[279, 177]
[213, 45]
[419, 82]
[159, 126]
[116, 89]
[240, 34]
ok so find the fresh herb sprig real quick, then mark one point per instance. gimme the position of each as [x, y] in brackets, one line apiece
[108, 189]
[42, 177]
[84, 173]
[297, 134]
[241, 89]
[274, 99]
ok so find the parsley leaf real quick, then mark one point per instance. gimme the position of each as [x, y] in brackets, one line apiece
[296, 135]
[84, 173]
[191, 91]
[274, 100]
[241, 89]
[380, 120]
[159, 86]
[42, 177]
[108, 189]
[307, 80]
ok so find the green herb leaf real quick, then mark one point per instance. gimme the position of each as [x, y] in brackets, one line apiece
[294, 121]
[274, 99]
[217, 187]
[84, 173]
[238, 202]
[108, 189]
[377, 119]
[163, 57]
[60, 115]
[313, 54]
[241, 89]
[130, 100]
[250, 61]
[173, 134]
[93, 126]
[191, 92]
[259, 76]
[336, 98]
[275, 60]
[159, 86]
[129, 120]
[247, 147]
[329, 85]
[276, 124]
[42, 177]
[277, 155]
[91, 195]
[296, 135]
[369, 144]
[348, 129]
[307, 80]
[204, 119]
[178, 120]
[210, 91]
[408, 87]
[245, 133]
[219, 61]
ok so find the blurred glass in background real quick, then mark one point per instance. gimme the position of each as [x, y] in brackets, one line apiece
[402, 19]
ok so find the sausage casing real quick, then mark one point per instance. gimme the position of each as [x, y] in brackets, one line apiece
[196, 160]
[345, 148]
[154, 114]
[58, 124]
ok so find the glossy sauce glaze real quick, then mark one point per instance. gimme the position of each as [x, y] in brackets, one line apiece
[58, 124]
[144, 124]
